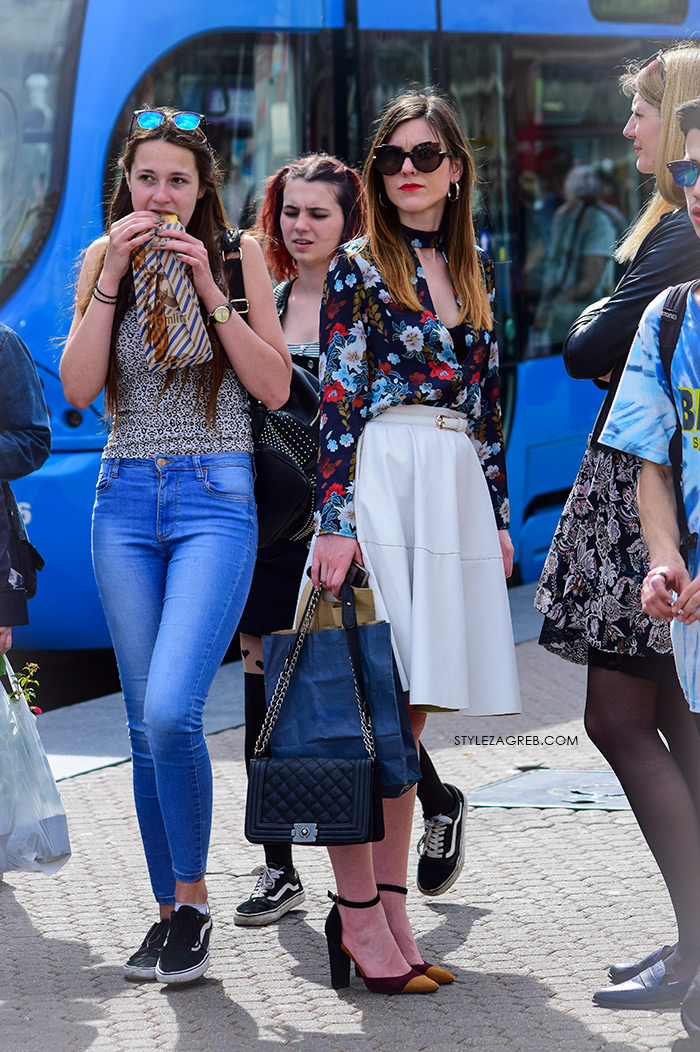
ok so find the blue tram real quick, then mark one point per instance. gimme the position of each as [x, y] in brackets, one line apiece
[536, 87]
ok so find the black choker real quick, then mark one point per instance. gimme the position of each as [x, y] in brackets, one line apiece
[424, 238]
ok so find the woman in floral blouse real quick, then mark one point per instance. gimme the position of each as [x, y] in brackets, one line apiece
[412, 482]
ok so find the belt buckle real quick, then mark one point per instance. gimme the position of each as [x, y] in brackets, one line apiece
[448, 423]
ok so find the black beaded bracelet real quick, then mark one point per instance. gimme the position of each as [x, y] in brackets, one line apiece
[102, 298]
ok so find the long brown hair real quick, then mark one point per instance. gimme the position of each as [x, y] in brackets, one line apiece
[207, 224]
[663, 84]
[384, 234]
[313, 168]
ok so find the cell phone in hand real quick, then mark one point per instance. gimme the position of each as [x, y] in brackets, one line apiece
[357, 576]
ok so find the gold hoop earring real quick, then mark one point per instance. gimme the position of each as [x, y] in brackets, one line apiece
[453, 196]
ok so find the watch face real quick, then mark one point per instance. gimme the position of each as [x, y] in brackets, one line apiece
[221, 314]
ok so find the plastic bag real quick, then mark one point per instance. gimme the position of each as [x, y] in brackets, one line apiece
[33, 826]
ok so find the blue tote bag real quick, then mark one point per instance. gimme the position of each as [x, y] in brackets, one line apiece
[319, 715]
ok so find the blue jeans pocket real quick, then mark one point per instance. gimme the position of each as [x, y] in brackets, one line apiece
[228, 481]
[105, 477]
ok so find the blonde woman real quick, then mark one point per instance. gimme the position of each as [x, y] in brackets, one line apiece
[590, 590]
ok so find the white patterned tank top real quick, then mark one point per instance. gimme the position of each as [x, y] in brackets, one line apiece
[174, 423]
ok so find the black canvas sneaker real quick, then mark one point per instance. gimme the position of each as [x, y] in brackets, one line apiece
[185, 953]
[441, 848]
[142, 964]
[277, 892]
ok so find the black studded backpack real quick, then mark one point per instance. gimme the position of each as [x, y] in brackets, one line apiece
[286, 439]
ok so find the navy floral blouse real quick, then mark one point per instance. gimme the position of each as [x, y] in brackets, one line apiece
[375, 354]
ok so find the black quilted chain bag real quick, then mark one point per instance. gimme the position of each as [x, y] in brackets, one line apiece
[316, 800]
[286, 441]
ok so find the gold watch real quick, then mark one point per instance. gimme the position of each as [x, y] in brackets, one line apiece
[221, 314]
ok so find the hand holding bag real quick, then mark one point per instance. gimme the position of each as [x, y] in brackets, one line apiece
[322, 690]
[324, 800]
[33, 827]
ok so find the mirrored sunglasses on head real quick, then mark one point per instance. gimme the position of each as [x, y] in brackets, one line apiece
[425, 157]
[185, 120]
[658, 56]
[685, 173]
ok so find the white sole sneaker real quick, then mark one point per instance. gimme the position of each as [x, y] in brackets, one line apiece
[259, 920]
[183, 977]
[185, 953]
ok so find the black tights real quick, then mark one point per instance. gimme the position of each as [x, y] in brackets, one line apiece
[625, 718]
[277, 856]
[434, 798]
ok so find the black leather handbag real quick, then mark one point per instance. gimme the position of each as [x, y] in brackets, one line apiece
[315, 800]
[286, 441]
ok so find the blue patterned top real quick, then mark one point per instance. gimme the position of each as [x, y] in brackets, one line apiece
[643, 420]
[375, 355]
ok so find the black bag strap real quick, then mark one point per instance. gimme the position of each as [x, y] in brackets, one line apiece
[670, 325]
[233, 259]
[349, 617]
[282, 292]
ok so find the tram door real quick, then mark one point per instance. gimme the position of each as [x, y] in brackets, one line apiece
[574, 191]
[557, 186]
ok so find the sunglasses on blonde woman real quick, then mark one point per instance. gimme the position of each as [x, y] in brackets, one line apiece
[685, 173]
[658, 56]
[425, 157]
[185, 120]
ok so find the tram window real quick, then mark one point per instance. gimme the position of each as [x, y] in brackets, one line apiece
[37, 39]
[671, 11]
[390, 63]
[575, 191]
[573, 93]
[479, 87]
[246, 85]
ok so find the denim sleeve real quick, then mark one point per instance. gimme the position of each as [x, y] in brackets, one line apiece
[25, 434]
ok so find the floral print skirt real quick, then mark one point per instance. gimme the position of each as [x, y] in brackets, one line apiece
[590, 588]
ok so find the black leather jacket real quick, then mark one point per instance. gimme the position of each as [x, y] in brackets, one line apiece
[600, 339]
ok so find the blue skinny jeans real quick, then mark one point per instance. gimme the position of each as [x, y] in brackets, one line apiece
[174, 543]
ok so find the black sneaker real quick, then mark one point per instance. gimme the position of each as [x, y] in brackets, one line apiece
[277, 892]
[185, 953]
[441, 848]
[142, 964]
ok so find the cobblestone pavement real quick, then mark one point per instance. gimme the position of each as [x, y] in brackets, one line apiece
[546, 900]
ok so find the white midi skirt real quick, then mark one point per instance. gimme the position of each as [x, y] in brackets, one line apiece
[428, 536]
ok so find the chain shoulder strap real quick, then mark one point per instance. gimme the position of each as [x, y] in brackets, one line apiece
[282, 685]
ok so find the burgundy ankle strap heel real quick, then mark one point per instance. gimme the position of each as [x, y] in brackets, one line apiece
[411, 982]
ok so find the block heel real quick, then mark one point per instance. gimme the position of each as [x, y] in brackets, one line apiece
[411, 982]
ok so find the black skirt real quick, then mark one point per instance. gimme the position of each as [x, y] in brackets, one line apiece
[273, 593]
